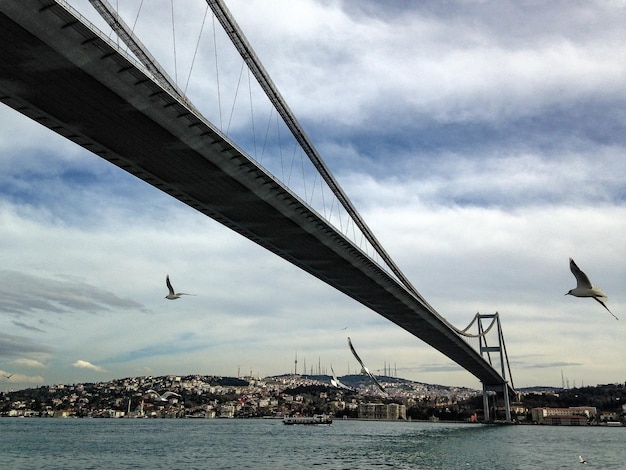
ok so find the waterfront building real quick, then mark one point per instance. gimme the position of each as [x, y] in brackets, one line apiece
[382, 411]
[572, 416]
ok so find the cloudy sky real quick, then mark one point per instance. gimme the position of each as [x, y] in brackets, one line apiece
[483, 143]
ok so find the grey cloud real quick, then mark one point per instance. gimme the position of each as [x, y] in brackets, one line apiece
[22, 293]
[511, 22]
[28, 327]
[535, 361]
[14, 346]
[548, 365]
[430, 368]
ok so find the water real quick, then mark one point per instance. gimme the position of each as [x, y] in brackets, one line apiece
[34, 443]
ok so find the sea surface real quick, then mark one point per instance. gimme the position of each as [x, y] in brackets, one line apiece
[57, 443]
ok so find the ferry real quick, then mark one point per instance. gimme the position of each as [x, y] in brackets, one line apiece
[316, 419]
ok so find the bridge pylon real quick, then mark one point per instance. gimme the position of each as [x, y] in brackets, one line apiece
[486, 351]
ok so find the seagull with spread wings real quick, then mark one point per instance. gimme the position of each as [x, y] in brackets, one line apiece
[365, 370]
[335, 382]
[172, 295]
[584, 288]
[165, 397]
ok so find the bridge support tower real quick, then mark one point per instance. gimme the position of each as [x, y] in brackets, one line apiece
[493, 390]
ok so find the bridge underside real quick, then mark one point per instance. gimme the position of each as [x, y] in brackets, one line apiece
[61, 74]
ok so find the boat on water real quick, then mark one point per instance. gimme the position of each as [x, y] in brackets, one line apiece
[315, 419]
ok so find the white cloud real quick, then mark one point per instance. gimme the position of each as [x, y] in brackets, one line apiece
[341, 65]
[29, 363]
[80, 364]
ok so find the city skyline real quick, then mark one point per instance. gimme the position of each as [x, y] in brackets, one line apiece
[481, 159]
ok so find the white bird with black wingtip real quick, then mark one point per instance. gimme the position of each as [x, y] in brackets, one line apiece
[165, 397]
[172, 295]
[584, 288]
[365, 370]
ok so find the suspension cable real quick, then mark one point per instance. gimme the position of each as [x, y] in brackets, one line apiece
[232, 109]
[125, 33]
[251, 112]
[245, 50]
[195, 52]
[508, 365]
[217, 74]
[464, 332]
[137, 15]
[174, 43]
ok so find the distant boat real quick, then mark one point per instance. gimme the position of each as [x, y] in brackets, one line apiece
[316, 419]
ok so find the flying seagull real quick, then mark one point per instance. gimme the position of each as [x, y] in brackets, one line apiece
[584, 287]
[164, 397]
[581, 460]
[335, 382]
[365, 370]
[172, 295]
[8, 376]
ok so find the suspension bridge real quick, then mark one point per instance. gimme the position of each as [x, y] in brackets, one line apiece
[58, 69]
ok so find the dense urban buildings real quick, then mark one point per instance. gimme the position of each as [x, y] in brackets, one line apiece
[200, 396]
[224, 397]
